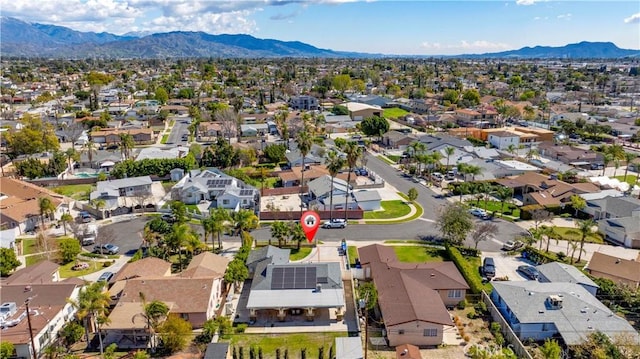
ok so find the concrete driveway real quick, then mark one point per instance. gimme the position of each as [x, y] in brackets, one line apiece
[507, 265]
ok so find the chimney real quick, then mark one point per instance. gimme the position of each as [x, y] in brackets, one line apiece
[318, 288]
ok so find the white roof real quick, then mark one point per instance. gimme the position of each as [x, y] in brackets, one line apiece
[296, 298]
[517, 165]
[356, 106]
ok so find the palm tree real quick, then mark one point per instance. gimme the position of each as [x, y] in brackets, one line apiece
[297, 233]
[180, 236]
[47, 208]
[416, 148]
[245, 221]
[154, 313]
[304, 141]
[90, 149]
[72, 155]
[464, 188]
[352, 152]
[474, 171]
[99, 204]
[279, 231]
[126, 144]
[606, 159]
[531, 154]
[65, 219]
[585, 229]
[334, 164]
[628, 158]
[207, 226]
[512, 149]
[221, 218]
[449, 151]
[504, 194]
[92, 305]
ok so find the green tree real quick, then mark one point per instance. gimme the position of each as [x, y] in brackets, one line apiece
[71, 333]
[221, 218]
[304, 141]
[449, 151]
[341, 83]
[126, 144]
[367, 291]
[34, 136]
[161, 95]
[275, 153]
[450, 97]
[65, 219]
[578, 203]
[236, 272]
[279, 231]
[628, 158]
[69, 248]
[334, 164]
[6, 350]
[46, 207]
[8, 261]
[374, 126]
[179, 211]
[504, 194]
[352, 152]
[175, 333]
[585, 229]
[472, 96]
[551, 349]
[454, 223]
[181, 236]
[412, 194]
[92, 306]
[245, 221]
[297, 234]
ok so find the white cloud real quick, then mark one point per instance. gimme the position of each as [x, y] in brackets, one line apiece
[633, 19]
[526, 2]
[464, 45]
[564, 16]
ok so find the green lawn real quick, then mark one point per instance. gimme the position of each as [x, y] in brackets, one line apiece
[167, 185]
[298, 254]
[294, 343]
[394, 112]
[79, 192]
[387, 160]
[418, 254]
[567, 233]
[66, 271]
[394, 158]
[353, 254]
[496, 206]
[164, 139]
[418, 214]
[31, 260]
[631, 179]
[392, 209]
[192, 208]
[29, 246]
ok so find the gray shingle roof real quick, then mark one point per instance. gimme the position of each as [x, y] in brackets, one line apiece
[321, 186]
[367, 195]
[581, 313]
[616, 206]
[564, 273]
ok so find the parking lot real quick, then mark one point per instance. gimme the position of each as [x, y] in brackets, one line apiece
[507, 265]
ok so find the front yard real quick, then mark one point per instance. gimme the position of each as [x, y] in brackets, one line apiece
[391, 209]
[419, 254]
[496, 206]
[573, 234]
[79, 192]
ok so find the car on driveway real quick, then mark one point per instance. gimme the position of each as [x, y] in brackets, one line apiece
[106, 249]
[335, 223]
[529, 271]
[489, 268]
[105, 277]
[480, 213]
[512, 245]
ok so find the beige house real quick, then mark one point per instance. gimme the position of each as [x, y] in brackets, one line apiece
[413, 298]
[141, 136]
[360, 111]
[620, 270]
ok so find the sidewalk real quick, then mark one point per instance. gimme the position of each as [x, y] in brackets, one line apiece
[413, 211]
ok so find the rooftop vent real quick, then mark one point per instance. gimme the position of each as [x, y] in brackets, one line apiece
[555, 301]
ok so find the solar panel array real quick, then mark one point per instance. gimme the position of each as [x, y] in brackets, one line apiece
[293, 278]
[219, 182]
[246, 192]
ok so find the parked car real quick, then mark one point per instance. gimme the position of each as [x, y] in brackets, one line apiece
[87, 241]
[529, 271]
[437, 176]
[85, 217]
[169, 218]
[512, 245]
[105, 277]
[489, 268]
[106, 248]
[478, 212]
[335, 223]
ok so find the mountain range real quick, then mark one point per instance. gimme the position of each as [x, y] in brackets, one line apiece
[22, 39]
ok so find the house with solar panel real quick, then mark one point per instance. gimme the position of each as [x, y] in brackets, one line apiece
[289, 292]
[214, 186]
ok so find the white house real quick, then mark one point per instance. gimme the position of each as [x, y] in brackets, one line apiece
[503, 139]
[368, 200]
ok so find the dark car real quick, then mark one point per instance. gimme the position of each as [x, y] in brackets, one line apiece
[529, 271]
[489, 268]
[106, 249]
[169, 218]
[105, 277]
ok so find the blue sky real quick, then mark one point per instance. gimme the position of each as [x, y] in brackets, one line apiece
[389, 27]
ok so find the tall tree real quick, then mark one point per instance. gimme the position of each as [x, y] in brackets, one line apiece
[245, 221]
[334, 164]
[221, 218]
[279, 231]
[449, 151]
[578, 203]
[92, 306]
[126, 145]
[504, 194]
[628, 158]
[90, 149]
[454, 222]
[585, 229]
[304, 141]
[352, 152]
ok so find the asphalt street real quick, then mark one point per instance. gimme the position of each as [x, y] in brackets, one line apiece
[180, 128]
[127, 234]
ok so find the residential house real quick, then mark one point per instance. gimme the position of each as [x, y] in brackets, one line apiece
[619, 270]
[413, 298]
[266, 255]
[408, 351]
[438, 142]
[42, 272]
[288, 290]
[398, 140]
[360, 111]
[564, 273]
[373, 100]
[618, 219]
[108, 136]
[175, 109]
[569, 155]
[504, 139]
[19, 205]
[315, 156]
[49, 310]
[539, 311]
[547, 191]
[254, 129]
[223, 191]
[367, 200]
[122, 195]
[304, 102]
[210, 129]
[320, 188]
[162, 153]
[293, 177]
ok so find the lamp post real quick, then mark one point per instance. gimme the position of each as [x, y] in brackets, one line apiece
[33, 343]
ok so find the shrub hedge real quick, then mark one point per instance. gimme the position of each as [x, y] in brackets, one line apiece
[466, 268]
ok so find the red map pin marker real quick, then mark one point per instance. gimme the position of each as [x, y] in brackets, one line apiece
[310, 222]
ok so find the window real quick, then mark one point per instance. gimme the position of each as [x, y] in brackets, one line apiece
[225, 201]
[455, 293]
[401, 331]
[431, 332]
[244, 201]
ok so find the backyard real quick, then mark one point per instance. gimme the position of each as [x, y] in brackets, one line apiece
[631, 179]
[394, 112]
[496, 206]
[79, 192]
[293, 343]
[391, 209]
[419, 254]
[66, 270]
[573, 234]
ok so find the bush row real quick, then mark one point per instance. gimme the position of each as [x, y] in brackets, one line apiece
[468, 270]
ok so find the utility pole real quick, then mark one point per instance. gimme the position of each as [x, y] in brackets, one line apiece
[33, 343]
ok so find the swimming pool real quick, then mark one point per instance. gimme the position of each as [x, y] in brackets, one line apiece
[85, 175]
